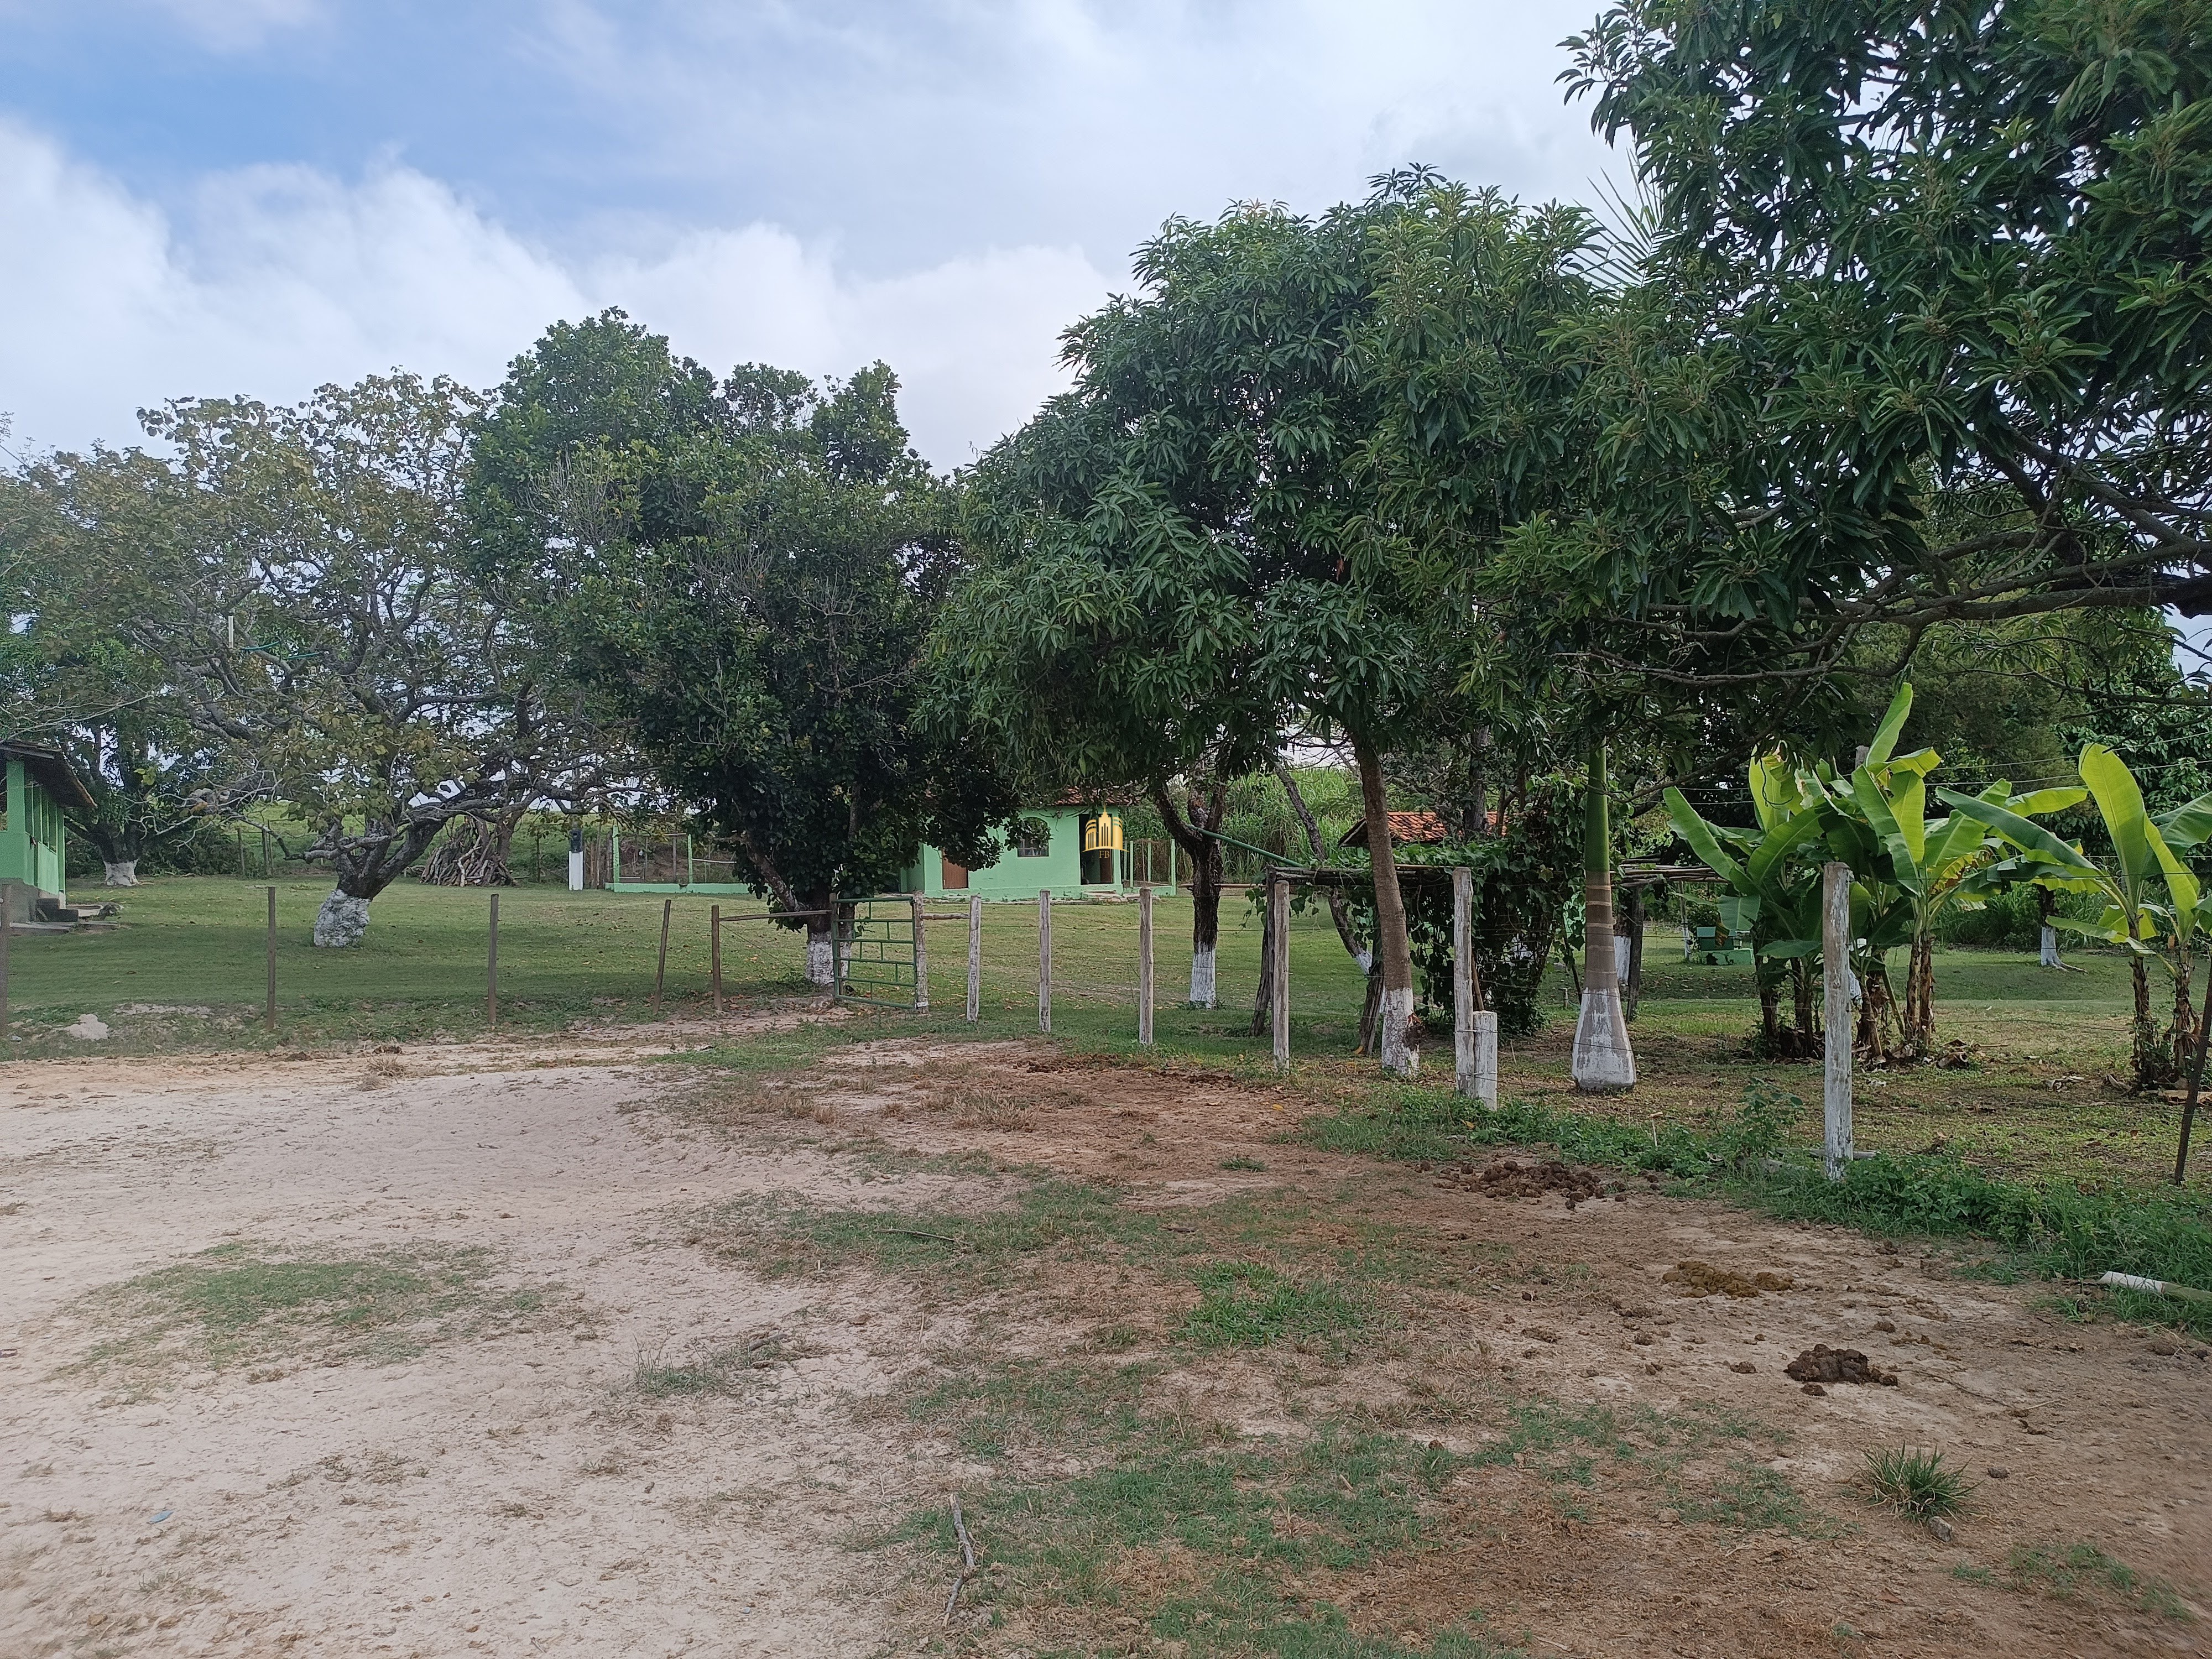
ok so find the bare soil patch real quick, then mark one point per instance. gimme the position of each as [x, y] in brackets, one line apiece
[1200, 1388]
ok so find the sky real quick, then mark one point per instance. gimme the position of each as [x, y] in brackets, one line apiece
[220, 197]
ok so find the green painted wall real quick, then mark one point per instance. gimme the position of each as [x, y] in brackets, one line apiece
[1016, 877]
[34, 841]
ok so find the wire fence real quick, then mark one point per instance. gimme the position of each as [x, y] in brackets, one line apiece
[240, 956]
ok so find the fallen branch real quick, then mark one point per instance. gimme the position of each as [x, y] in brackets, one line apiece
[967, 1555]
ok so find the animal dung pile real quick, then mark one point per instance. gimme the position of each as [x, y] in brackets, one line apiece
[1821, 1364]
[1703, 1278]
[1511, 1178]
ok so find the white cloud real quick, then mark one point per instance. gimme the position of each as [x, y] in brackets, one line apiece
[280, 278]
[949, 121]
[240, 25]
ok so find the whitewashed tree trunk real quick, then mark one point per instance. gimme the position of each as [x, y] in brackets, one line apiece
[341, 922]
[1604, 1061]
[818, 965]
[1399, 1057]
[2048, 957]
[1201, 976]
[120, 872]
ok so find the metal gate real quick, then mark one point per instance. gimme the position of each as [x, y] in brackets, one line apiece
[876, 953]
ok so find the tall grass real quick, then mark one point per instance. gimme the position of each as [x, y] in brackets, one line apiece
[2057, 1229]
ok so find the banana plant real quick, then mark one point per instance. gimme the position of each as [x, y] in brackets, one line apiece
[2154, 905]
[1772, 897]
[1932, 865]
[1907, 870]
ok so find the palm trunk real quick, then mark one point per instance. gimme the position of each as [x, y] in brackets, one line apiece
[1604, 1063]
[1395, 1016]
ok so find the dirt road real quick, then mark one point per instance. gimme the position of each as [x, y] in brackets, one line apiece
[555, 1349]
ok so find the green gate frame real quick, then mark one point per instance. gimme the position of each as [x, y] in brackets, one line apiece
[881, 948]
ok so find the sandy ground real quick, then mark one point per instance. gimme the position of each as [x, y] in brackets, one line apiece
[509, 1494]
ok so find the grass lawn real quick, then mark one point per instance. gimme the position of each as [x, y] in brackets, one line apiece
[185, 969]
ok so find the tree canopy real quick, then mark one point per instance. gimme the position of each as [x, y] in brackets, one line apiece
[743, 575]
[1935, 281]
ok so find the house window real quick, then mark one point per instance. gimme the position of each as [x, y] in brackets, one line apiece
[1033, 839]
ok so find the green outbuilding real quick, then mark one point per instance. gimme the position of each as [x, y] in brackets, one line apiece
[34, 831]
[1077, 851]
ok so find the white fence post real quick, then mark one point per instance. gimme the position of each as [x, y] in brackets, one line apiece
[1144, 961]
[1044, 962]
[1279, 1008]
[975, 959]
[1835, 984]
[920, 961]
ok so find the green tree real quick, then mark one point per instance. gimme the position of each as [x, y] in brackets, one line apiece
[1940, 269]
[1180, 558]
[742, 577]
[293, 576]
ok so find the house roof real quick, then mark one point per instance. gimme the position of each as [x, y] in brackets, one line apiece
[51, 771]
[1423, 828]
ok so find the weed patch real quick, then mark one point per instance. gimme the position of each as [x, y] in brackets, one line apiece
[722, 1370]
[240, 1303]
[1243, 1304]
[1068, 1219]
[2057, 1231]
[1754, 1497]
[2064, 1573]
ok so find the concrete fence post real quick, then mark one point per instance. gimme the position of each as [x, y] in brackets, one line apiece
[1044, 960]
[921, 960]
[1145, 959]
[975, 959]
[1279, 1007]
[1836, 984]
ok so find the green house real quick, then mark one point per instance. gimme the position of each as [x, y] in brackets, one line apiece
[1076, 851]
[33, 835]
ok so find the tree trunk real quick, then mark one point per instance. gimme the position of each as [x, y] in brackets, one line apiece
[343, 921]
[1263, 1004]
[1395, 1016]
[1808, 1036]
[820, 957]
[364, 867]
[1206, 811]
[119, 873]
[1918, 1025]
[1770, 1016]
[2047, 943]
[1604, 1063]
[2181, 1036]
[472, 855]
